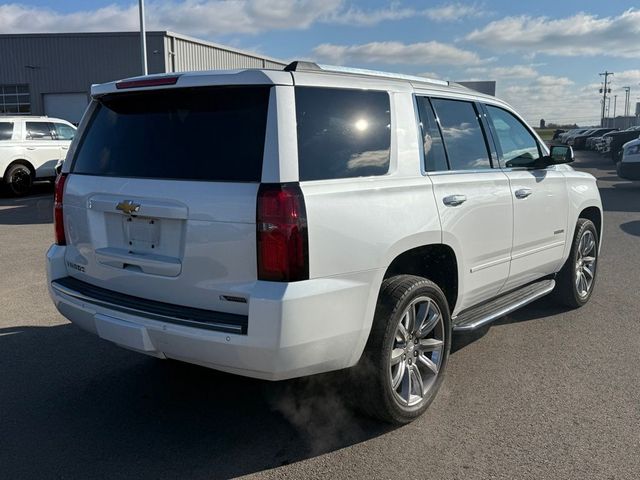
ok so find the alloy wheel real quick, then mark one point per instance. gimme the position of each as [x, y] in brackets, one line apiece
[417, 351]
[586, 263]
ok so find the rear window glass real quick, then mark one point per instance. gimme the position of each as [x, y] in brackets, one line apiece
[6, 130]
[342, 133]
[214, 134]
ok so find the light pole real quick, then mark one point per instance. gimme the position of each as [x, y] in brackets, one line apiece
[604, 91]
[615, 100]
[143, 38]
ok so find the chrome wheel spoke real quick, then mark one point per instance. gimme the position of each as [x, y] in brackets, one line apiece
[396, 356]
[395, 379]
[429, 345]
[588, 259]
[427, 362]
[405, 386]
[587, 271]
[432, 319]
[416, 381]
[402, 335]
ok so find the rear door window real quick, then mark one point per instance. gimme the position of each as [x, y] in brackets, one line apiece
[462, 133]
[6, 130]
[435, 158]
[39, 131]
[208, 133]
[342, 133]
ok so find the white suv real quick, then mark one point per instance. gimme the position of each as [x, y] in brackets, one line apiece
[276, 224]
[30, 149]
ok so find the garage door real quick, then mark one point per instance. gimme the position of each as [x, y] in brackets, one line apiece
[68, 106]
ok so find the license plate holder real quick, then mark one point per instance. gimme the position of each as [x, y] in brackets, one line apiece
[142, 233]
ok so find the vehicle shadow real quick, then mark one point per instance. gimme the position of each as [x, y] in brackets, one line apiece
[632, 228]
[36, 208]
[74, 406]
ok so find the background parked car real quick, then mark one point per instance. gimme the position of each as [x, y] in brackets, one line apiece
[616, 140]
[579, 141]
[629, 166]
[565, 137]
[30, 148]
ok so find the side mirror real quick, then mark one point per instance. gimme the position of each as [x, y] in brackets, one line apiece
[560, 154]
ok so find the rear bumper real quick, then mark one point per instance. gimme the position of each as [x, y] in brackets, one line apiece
[293, 329]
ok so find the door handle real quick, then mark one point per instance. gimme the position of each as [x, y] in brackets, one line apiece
[454, 200]
[523, 192]
[31, 148]
[65, 148]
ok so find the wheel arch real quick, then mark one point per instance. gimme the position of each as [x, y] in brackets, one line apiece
[20, 161]
[436, 261]
[594, 214]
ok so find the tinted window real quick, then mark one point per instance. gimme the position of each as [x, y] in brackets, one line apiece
[212, 134]
[64, 132]
[434, 156]
[6, 130]
[39, 131]
[463, 137]
[342, 133]
[518, 147]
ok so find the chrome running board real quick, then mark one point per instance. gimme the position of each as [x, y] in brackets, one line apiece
[481, 315]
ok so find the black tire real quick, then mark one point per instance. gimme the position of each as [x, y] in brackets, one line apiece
[566, 292]
[373, 373]
[18, 180]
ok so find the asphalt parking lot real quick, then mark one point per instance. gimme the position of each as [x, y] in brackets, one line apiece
[542, 393]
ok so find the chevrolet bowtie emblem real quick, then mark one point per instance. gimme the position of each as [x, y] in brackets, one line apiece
[128, 207]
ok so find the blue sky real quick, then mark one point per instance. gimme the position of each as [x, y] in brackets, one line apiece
[545, 55]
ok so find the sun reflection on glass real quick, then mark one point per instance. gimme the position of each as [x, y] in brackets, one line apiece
[361, 125]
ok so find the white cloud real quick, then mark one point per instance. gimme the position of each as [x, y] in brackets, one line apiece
[196, 17]
[359, 17]
[508, 72]
[580, 35]
[217, 17]
[422, 53]
[453, 12]
[556, 99]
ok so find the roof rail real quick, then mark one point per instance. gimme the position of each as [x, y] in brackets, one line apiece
[300, 66]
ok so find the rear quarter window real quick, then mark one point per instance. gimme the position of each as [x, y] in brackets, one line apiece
[209, 133]
[6, 130]
[342, 133]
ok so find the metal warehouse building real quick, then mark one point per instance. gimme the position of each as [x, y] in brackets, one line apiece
[52, 73]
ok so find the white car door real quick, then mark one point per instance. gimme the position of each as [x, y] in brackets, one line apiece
[473, 198]
[540, 201]
[41, 148]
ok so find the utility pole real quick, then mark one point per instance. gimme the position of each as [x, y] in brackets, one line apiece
[615, 100]
[604, 92]
[627, 92]
[143, 38]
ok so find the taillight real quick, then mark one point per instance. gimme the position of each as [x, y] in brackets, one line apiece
[58, 223]
[281, 227]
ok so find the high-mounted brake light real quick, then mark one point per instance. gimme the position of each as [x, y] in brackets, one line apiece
[282, 237]
[147, 82]
[58, 222]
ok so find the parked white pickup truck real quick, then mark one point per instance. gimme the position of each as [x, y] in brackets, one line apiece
[276, 224]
